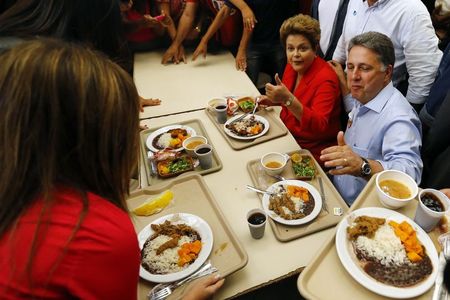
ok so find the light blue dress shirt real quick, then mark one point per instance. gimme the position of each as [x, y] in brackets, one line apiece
[386, 129]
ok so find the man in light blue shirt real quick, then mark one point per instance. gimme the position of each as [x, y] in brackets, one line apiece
[384, 131]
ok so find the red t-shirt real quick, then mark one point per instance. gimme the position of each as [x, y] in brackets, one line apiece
[100, 262]
[319, 93]
[143, 34]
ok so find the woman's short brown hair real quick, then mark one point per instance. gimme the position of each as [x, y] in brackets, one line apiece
[302, 25]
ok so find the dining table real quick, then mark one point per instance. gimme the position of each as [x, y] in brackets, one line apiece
[185, 90]
[188, 86]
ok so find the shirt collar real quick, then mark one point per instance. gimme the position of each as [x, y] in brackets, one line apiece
[380, 100]
[378, 3]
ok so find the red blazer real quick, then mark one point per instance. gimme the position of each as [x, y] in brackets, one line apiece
[319, 93]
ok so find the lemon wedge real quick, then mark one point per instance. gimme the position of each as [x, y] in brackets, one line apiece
[296, 157]
[155, 205]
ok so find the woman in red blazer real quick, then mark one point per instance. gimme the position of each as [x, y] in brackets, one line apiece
[309, 93]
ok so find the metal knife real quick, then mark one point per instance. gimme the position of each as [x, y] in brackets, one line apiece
[322, 194]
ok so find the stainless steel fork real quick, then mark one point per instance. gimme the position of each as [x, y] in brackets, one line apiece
[162, 291]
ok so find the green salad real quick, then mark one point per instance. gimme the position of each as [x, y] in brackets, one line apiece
[179, 164]
[304, 167]
[247, 105]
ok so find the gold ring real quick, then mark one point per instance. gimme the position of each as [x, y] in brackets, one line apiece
[345, 160]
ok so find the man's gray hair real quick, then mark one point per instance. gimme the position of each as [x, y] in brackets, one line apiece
[377, 42]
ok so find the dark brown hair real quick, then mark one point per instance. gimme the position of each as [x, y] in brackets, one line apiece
[303, 25]
[68, 116]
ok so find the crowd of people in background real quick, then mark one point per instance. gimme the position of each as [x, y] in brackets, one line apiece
[363, 85]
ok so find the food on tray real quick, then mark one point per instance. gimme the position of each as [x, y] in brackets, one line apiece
[172, 167]
[246, 127]
[395, 189]
[154, 205]
[232, 106]
[291, 202]
[173, 139]
[303, 166]
[171, 248]
[273, 164]
[388, 251]
[246, 104]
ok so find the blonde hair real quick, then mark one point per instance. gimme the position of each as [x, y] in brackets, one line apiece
[302, 25]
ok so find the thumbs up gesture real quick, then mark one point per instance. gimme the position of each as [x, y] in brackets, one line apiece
[278, 93]
[341, 158]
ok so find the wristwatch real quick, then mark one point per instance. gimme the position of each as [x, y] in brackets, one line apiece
[366, 170]
[289, 101]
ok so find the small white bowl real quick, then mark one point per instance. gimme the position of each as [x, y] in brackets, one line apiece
[276, 157]
[215, 102]
[193, 139]
[389, 201]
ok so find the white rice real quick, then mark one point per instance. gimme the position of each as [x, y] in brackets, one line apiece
[385, 246]
[167, 261]
[164, 140]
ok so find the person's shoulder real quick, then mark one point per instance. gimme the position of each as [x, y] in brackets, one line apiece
[410, 8]
[324, 71]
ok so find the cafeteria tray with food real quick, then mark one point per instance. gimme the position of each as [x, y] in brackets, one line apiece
[329, 205]
[264, 127]
[368, 281]
[184, 205]
[165, 165]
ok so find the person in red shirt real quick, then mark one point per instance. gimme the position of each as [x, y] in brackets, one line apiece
[69, 123]
[309, 93]
[69, 120]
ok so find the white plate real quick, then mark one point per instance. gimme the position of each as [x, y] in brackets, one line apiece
[196, 223]
[159, 131]
[345, 253]
[315, 212]
[258, 118]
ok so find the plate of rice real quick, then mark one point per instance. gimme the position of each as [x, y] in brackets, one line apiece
[296, 202]
[387, 252]
[173, 247]
[169, 137]
[248, 128]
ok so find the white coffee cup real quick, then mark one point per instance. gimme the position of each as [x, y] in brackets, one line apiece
[426, 217]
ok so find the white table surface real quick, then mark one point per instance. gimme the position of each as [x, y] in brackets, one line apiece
[269, 259]
[187, 87]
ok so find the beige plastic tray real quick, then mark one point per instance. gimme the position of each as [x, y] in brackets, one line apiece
[197, 125]
[285, 233]
[191, 195]
[276, 130]
[326, 266]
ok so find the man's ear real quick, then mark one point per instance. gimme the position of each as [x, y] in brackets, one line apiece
[388, 74]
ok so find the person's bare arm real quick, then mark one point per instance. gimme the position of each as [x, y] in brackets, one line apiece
[220, 18]
[248, 17]
[184, 26]
[241, 56]
[164, 8]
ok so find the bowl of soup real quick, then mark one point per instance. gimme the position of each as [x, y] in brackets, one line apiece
[274, 163]
[395, 188]
[192, 142]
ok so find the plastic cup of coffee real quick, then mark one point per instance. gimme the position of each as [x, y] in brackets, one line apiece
[256, 220]
[221, 113]
[204, 154]
[432, 207]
